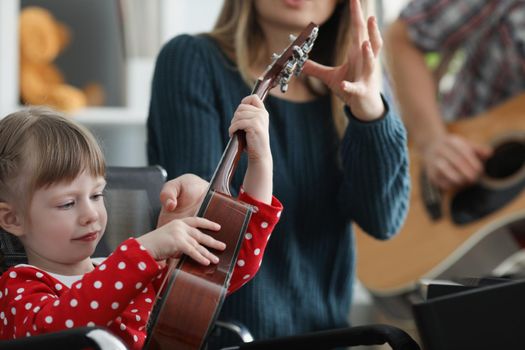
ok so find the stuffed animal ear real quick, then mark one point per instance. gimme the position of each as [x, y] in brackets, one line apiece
[39, 42]
[10, 221]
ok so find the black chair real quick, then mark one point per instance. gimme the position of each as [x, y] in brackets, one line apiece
[132, 200]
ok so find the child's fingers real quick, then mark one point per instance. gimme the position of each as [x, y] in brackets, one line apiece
[207, 240]
[194, 252]
[198, 222]
[253, 100]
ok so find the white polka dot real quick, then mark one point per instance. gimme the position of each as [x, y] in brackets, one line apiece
[135, 338]
[69, 323]
[142, 247]
[121, 265]
[34, 327]
[28, 334]
[118, 285]
[56, 303]
[138, 285]
[49, 319]
[39, 275]
[28, 306]
[137, 317]
[122, 327]
[36, 309]
[257, 251]
[18, 297]
[12, 274]
[264, 224]
[248, 235]
[134, 310]
[124, 248]
[44, 298]
[279, 213]
[73, 302]
[119, 319]
[109, 323]
[2, 315]
[102, 267]
[1, 294]
[5, 321]
[91, 324]
[58, 286]
[20, 290]
[94, 305]
[13, 311]
[114, 305]
[240, 262]
[148, 300]
[97, 284]
[79, 285]
[142, 266]
[245, 277]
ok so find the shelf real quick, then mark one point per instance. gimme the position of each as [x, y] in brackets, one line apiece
[110, 116]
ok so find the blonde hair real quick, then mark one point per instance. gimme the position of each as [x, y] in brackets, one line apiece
[240, 37]
[38, 148]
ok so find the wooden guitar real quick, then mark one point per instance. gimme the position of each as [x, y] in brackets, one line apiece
[187, 307]
[466, 232]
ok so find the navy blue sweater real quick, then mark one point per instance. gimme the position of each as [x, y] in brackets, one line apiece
[325, 183]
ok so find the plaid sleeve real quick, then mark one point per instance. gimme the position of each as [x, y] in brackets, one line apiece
[445, 25]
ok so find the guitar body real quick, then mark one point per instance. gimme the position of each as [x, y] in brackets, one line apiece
[467, 238]
[198, 290]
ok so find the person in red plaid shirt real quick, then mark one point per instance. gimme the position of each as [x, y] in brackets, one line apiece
[490, 34]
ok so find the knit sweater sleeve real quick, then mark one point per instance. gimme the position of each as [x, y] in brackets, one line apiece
[376, 184]
[184, 133]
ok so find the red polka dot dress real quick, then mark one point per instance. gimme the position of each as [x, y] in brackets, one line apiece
[118, 294]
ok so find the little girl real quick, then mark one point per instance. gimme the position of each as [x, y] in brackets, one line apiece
[51, 198]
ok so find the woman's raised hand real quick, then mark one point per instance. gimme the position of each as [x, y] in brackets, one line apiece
[355, 81]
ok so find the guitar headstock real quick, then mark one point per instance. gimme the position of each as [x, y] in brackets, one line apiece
[289, 62]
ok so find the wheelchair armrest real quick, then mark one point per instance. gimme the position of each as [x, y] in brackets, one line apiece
[235, 328]
[351, 336]
[76, 338]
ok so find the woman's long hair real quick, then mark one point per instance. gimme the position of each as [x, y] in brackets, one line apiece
[241, 38]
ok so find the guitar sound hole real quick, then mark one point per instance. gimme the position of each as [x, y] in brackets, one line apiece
[507, 160]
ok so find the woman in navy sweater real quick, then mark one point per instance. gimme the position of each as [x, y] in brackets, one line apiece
[339, 150]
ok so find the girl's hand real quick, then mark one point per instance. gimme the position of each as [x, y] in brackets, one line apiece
[355, 81]
[182, 236]
[252, 117]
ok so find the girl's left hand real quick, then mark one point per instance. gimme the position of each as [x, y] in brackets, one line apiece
[252, 117]
[355, 81]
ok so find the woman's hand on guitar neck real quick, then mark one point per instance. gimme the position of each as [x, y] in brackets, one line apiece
[182, 236]
[452, 161]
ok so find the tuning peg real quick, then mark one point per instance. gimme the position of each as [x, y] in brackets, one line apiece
[298, 53]
[292, 37]
[275, 56]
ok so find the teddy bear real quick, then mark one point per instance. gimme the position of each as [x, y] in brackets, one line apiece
[42, 38]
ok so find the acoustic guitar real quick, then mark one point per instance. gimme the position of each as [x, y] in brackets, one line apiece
[466, 232]
[187, 307]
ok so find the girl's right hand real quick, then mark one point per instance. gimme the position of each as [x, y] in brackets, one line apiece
[182, 236]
